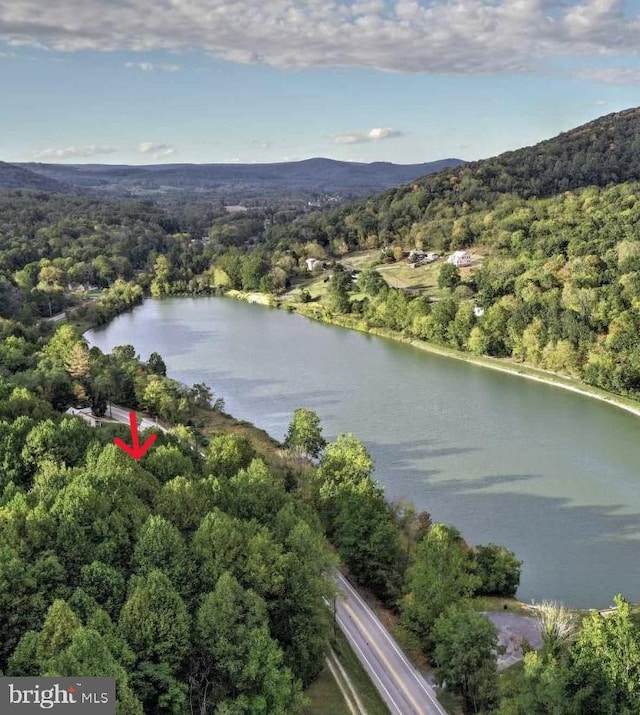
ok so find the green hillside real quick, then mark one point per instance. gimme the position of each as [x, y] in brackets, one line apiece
[554, 234]
[601, 153]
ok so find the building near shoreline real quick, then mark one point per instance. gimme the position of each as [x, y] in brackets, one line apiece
[84, 413]
[460, 258]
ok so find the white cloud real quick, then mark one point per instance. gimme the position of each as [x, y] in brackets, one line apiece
[383, 133]
[611, 75]
[150, 67]
[445, 36]
[156, 151]
[69, 152]
[373, 135]
[349, 138]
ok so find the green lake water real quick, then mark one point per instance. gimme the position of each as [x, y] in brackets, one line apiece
[553, 475]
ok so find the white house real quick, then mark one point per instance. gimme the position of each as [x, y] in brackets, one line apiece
[478, 311]
[313, 264]
[84, 413]
[460, 258]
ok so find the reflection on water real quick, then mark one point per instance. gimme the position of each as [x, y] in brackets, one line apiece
[550, 474]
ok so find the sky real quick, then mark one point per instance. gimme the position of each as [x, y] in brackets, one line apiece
[408, 81]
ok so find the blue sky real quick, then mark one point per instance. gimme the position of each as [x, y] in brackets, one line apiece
[250, 80]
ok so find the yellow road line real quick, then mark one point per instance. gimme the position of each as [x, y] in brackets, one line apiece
[367, 609]
[399, 682]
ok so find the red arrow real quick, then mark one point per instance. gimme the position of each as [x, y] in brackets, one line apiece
[136, 451]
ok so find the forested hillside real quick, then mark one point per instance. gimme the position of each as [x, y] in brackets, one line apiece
[559, 285]
[16, 177]
[557, 269]
[600, 153]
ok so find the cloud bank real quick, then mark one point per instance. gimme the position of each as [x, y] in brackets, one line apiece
[69, 152]
[448, 36]
[373, 135]
[611, 75]
[150, 67]
[156, 151]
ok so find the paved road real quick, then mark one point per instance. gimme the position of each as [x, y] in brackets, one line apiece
[55, 318]
[121, 414]
[402, 687]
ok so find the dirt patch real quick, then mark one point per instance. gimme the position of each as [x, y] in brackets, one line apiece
[512, 630]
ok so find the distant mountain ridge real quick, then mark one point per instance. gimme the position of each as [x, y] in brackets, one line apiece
[311, 175]
[13, 176]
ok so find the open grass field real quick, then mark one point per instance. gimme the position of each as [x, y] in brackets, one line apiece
[425, 277]
[401, 275]
[397, 275]
[498, 603]
[361, 259]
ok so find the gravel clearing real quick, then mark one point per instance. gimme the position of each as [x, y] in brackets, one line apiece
[512, 629]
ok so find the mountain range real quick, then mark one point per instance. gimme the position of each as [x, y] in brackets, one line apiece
[17, 177]
[308, 177]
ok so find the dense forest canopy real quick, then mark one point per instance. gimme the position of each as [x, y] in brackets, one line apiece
[197, 587]
[197, 577]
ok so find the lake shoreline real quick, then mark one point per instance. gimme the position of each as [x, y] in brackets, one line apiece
[525, 371]
[257, 321]
[503, 365]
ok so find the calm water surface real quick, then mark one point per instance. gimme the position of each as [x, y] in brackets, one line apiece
[548, 473]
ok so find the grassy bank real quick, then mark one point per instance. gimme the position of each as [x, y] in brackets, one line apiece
[212, 422]
[252, 297]
[325, 697]
[371, 699]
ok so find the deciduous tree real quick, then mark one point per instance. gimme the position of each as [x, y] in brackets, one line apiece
[465, 646]
[304, 436]
[442, 574]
